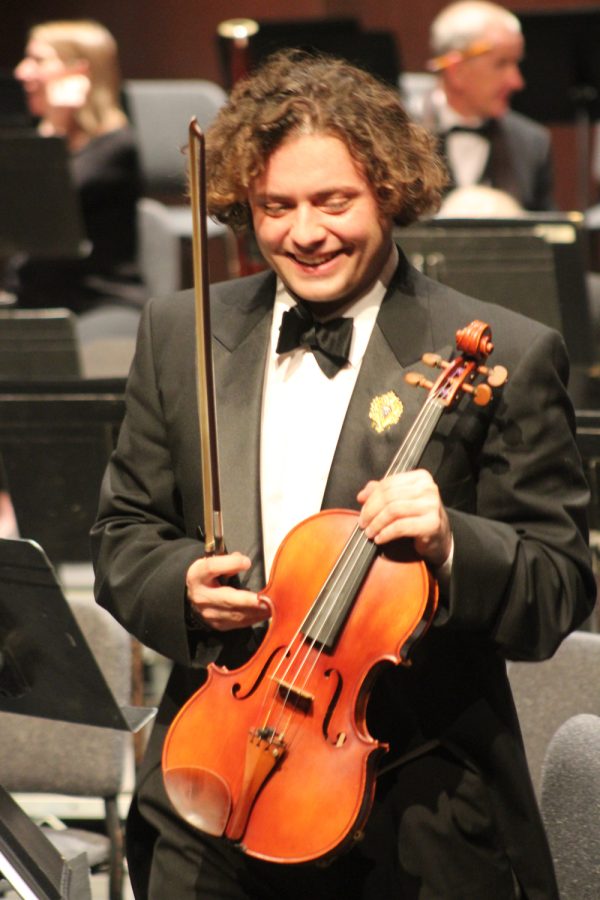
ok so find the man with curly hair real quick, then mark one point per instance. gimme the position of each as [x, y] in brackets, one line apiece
[321, 161]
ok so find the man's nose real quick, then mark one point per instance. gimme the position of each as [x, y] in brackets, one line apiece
[24, 70]
[307, 227]
[517, 82]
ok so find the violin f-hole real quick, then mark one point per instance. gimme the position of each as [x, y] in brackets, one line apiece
[237, 687]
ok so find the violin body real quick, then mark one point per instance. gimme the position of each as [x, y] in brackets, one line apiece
[276, 755]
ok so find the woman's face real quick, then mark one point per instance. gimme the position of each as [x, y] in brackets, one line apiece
[40, 65]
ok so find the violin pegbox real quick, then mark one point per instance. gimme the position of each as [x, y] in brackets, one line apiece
[475, 343]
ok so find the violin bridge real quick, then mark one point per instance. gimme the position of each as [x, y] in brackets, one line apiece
[294, 695]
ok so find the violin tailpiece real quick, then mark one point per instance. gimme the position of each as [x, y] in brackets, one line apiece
[264, 751]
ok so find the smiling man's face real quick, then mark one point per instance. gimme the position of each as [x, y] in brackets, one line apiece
[317, 221]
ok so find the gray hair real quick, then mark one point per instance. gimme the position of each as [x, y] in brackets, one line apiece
[459, 25]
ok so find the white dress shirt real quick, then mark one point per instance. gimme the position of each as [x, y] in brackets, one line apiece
[302, 416]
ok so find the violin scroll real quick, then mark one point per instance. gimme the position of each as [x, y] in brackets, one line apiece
[475, 340]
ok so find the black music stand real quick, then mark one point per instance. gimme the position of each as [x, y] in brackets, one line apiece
[534, 264]
[55, 441]
[561, 69]
[47, 670]
[40, 212]
[13, 105]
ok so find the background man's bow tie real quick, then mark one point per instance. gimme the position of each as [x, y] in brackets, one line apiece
[483, 130]
[329, 341]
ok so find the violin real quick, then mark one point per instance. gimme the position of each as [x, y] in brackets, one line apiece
[276, 755]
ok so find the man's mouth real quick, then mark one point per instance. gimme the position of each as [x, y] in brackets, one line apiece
[313, 262]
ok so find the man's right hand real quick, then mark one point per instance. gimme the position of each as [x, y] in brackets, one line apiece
[216, 603]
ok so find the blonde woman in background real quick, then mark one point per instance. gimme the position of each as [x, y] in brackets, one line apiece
[71, 77]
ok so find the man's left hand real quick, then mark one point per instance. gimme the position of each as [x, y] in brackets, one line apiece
[407, 505]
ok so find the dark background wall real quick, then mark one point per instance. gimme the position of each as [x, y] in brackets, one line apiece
[176, 39]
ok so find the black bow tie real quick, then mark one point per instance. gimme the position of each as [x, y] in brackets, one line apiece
[329, 341]
[484, 130]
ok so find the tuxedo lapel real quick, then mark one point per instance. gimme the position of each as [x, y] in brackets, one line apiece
[401, 335]
[499, 171]
[242, 337]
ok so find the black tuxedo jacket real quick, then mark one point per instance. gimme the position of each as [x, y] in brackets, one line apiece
[519, 162]
[509, 473]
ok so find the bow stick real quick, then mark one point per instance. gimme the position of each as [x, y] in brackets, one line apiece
[207, 419]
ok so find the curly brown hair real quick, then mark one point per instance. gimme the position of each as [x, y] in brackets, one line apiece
[297, 92]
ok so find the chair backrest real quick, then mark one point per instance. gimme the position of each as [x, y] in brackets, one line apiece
[38, 344]
[38, 755]
[571, 806]
[550, 692]
[160, 112]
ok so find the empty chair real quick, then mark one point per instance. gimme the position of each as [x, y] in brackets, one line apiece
[550, 692]
[571, 806]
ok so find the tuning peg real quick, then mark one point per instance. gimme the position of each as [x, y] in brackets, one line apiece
[434, 360]
[496, 376]
[482, 394]
[415, 379]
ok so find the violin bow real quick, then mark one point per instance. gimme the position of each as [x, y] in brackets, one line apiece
[213, 520]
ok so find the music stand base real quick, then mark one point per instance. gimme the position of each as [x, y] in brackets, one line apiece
[32, 865]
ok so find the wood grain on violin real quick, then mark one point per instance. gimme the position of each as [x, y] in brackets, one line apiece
[276, 755]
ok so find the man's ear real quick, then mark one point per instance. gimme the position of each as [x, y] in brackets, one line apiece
[454, 75]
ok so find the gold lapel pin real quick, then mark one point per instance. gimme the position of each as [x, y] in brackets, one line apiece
[385, 411]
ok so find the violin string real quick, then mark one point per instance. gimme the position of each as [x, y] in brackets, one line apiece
[349, 559]
[275, 677]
